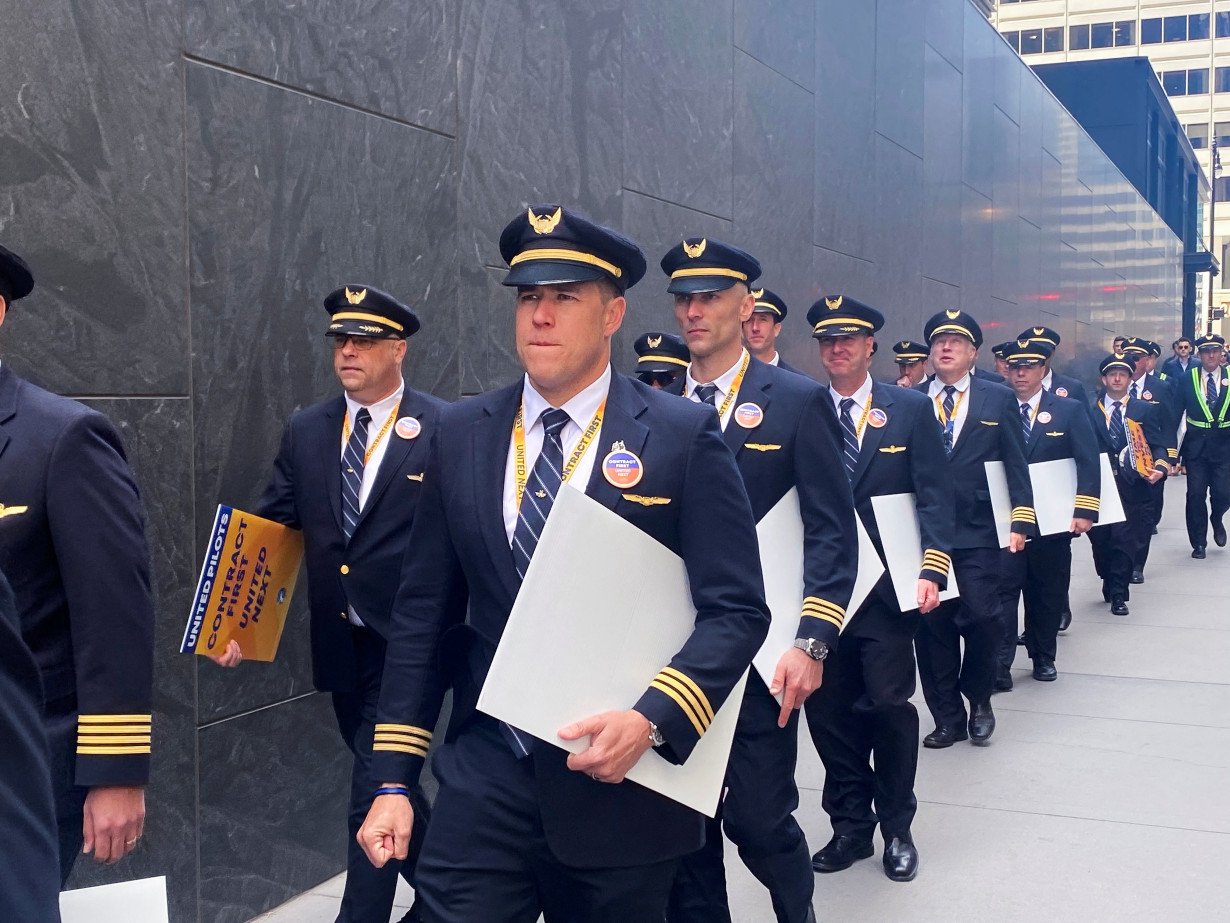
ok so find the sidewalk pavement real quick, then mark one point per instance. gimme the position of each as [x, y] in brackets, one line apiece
[1102, 796]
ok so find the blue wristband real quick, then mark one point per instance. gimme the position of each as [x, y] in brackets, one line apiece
[393, 790]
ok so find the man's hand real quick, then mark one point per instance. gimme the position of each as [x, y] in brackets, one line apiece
[928, 595]
[385, 833]
[617, 739]
[797, 676]
[1080, 526]
[1155, 475]
[903, 381]
[230, 657]
[114, 821]
[1016, 542]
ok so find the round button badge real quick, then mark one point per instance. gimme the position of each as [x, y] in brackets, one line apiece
[749, 415]
[408, 428]
[622, 469]
[877, 417]
[1044, 417]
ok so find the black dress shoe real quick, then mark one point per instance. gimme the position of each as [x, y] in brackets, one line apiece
[1198, 552]
[1044, 670]
[1020, 640]
[1065, 619]
[981, 722]
[1003, 679]
[841, 852]
[900, 860]
[1118, 606]
[1137, 576]
[1219, 532]
[944, 736]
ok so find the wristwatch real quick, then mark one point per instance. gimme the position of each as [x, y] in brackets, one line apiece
[655, 736]
[816, 650]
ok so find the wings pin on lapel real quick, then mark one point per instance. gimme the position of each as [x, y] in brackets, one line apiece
[647, 501]
[12, 510]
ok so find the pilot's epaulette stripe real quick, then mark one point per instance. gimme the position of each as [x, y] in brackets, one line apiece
[936, 560]
[113, 735]
[823, 605]
[108, 740]
[1088, 502]
[412, 749]
[1173, 453]
[401, 738]
[404, 729]
[1023, 514]
[706, 710]
[114, 719]
[684, 704]
[824, 616]
[113, 751]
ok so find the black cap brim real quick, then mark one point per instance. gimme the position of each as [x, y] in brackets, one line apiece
[552, 272]
[697, 285]
[657, 367]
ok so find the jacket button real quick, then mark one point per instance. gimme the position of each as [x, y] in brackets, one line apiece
[345, 568]
[343, 615]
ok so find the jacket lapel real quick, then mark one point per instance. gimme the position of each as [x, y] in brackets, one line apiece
[755, 390]
[872, 435]
[620, 423]
[489, 443]
[1045, 404]
[975, 397]
[9, 384]
[330, 434]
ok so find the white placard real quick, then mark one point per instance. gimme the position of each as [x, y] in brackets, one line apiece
[141, 901]
[1110, 510]
[1054, 488]
[901, 537]
[1001, 502]
[781, 559]
[602, 609]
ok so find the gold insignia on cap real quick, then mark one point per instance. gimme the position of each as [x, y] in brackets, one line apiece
[952, 315]
[1038, 331]
[758, 293]
[654, 342]
[695, 250]
[1120, 355]
[356, 297]
[1024, 344]
[545, 224]
[834, 303]
[905, 344]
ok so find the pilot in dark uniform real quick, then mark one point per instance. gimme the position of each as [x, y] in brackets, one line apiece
[1000, 352]
[911, 359]
[662, 358]
[1117, 418]
[29, 856]
[520, 827]
[1205, 396]
[891, 444]
[980, 424]
[1060, 385]
[1053, 428]
[780, 427]
[72, 542]
[349, 474]
[1150, 387]
[761, 330]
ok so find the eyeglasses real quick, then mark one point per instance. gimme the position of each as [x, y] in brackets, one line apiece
[362, 344]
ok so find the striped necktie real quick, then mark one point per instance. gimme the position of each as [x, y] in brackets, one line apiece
[1118, 431]
[950, 424]
[707, 394]
[1027, 423]
[353, 460]
[541, 489]
[1132, 392]
[1210, 389]
[849, 438]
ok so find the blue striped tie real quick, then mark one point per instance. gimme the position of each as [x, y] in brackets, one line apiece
[950, 425]
[543, 486]
[1210, 389]
[849, 438]
[1118, 430]
[352, 472]
[707, 394]
[1027, 425]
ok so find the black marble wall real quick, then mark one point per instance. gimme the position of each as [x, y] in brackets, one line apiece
[189, 177]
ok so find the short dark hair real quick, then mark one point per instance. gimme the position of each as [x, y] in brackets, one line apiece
[1180, 340]
[608, 289]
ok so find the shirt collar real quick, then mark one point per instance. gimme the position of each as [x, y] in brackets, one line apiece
[1033, 402]
[382, 408]
[1048, 380]
[777, 358]
[859, 397]
[581, 407]
[723, 381]
[937, 386]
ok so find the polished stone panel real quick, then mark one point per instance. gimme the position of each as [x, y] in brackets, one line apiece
[91, 194]
[271, 233]
[678, 72]
[899, 72]
[945, 31]
[397, 59]
[978, 154]
[486, 350]
[941, 245]
[778, 33]
[274, 786]
[899, 209]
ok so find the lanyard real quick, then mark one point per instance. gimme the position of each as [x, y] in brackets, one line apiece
[1106, 413]
[939, 409]
[734, 386]
[522, 475]
[384, 431]
[862, 420]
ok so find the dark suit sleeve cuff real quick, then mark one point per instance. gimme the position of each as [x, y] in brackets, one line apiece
[112, 750]
[935, 567]
[1086, 507]
[1024, 520]
[820, 620]
[679, 709]
[399, 752]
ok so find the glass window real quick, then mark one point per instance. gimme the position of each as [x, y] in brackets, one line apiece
[1198, 135]
[1125, 32]
[1103, 35]
[1014, 39]
[1221, 131]
[1174, 29]
[1223, 188]
[1078, 38]
[1223, 25]
[1174, 83]
[1197, 81]
[1052, 39]
[1031, 41]
[1150, 31]
[1197, 26]
[1221, 80]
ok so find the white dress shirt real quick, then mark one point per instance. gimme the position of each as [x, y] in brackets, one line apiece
[1108, 408]
[1033, 406]
[380, 413]
[856, 412]
[1047, 382]
[936, 388]
[580, 409]
[1204, 381]
[724, 383]
[776, 360]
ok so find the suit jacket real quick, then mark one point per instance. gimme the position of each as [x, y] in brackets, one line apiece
[29, 876]
[1061, 429]
[72, 541]
[1165, 398]
[1067, 386]
[305, 493]
[1131, 489]
[795, 445]
[787, 367]
[985, 374]
[1208, 427]
[906, 455]
[1171, 369]
[991, 432]
[461, 551]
